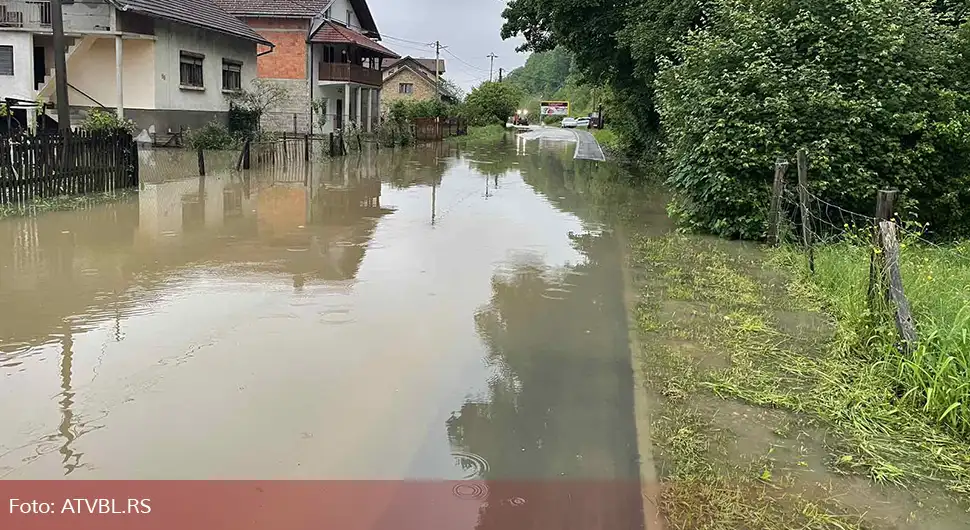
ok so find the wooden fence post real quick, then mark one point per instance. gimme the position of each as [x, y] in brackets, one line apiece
[201, 162]
[331, 145]
[803, 202]
[892, 279]
[306, 147]
[774, 216]
[885, 205]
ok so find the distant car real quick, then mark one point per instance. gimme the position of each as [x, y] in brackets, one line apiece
[569, 123]
[582, 122]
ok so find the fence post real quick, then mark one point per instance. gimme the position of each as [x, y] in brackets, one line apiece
[774, 217]
[803, 202]
[331, 145]
[893, 286]
[885, 205]
[295, 131]
[306, 147]
[201, 162]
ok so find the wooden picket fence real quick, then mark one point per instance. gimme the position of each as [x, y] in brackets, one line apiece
[52, 164]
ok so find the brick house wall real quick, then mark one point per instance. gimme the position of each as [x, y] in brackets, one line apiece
[390, 92]
[285, 66]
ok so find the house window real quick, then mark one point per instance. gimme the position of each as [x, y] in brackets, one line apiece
[405, 88]
[231, 75]
[6, 60]
[190, 70]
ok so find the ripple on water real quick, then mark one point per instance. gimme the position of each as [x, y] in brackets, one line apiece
[474, 465]
[477, 491]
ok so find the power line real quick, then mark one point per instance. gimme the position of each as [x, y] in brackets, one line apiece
[464, 61]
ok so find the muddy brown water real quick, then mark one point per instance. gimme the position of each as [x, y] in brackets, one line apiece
[462, 319]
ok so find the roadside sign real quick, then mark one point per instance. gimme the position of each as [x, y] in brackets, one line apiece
[554, 108]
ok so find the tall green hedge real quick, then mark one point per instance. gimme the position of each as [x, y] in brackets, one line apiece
[875, 90]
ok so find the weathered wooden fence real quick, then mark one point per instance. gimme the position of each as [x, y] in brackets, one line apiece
[431, 129]
[886, 294]
[52, 164]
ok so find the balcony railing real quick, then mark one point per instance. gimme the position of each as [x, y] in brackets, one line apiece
[350, 72]
[25, 14]
[36, 15]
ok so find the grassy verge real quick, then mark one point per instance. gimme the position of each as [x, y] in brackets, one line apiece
[63, 202]
[607, 139]
[486, 133]
[934, 380]
[763, 419]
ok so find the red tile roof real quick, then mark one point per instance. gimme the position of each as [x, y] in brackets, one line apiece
[331, 32]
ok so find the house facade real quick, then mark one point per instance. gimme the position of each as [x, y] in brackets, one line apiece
[327, 57]
[163, 64]
[409, 78]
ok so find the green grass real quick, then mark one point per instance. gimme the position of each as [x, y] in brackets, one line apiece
[486, 133]
[935, 379]
[63, 202]
[607, 139]
[715, 320]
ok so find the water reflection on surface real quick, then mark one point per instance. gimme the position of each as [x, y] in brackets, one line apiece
[432, 313]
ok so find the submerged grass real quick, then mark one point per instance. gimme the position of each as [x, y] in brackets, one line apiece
[702, 299]
[935, 378]
[63, 202]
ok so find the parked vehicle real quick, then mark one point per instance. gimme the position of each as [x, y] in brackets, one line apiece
[569, 123]
[582, 123]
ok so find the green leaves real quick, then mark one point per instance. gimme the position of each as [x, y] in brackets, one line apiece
[862, 85]
[491, 102]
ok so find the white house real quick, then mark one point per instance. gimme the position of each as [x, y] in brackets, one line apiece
[163, 63]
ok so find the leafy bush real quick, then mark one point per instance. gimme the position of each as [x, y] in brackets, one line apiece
[409, 109]
[213, 135]
[874, 90]
[492, 102]
[393, 133]
[243, 121]
[99, 120]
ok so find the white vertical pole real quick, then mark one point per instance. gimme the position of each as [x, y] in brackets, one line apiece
[119, 64]
[360, 91]
[119, 76]
[370, 110]
[346, 118]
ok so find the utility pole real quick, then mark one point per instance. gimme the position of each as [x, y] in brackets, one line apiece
[491, 63]
[500, 75]
[60, 67]
[437, 74]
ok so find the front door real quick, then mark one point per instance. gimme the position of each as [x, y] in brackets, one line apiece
[339, 119]
[40, 68]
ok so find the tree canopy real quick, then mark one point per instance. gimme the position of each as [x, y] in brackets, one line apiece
[875, 90]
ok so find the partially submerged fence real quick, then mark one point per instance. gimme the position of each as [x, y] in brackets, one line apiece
[432, 129]
[886, 292]
[53, 164]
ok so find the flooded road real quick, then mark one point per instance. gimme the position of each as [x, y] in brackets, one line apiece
[435, 313]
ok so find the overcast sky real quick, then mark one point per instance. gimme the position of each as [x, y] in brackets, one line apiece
[471, 29]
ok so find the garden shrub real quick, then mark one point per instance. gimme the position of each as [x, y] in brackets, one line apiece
[98, 120]
[212, 135]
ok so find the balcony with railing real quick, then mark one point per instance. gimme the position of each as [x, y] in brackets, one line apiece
[350, 73]
[36, 15]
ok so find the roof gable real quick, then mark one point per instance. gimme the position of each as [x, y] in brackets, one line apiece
[203, 14]
[299, 8]
[331, 32]
[423, 64]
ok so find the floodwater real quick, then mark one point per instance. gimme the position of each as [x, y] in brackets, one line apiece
[432, 313]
